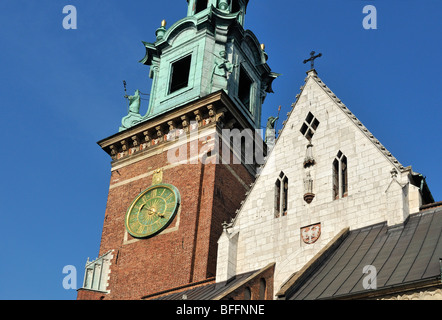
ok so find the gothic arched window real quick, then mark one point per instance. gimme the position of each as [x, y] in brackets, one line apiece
[340, 176]
[281, 195]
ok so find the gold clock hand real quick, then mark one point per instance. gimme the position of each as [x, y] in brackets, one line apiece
[144, 208]
[161, 215]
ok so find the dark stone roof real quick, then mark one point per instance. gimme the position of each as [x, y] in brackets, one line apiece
[402, 256]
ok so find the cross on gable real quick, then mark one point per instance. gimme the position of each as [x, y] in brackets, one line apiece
[312, 59]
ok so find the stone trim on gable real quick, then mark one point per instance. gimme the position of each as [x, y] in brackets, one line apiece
[312, 74]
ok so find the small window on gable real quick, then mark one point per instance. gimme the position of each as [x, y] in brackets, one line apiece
[309, 126]
[285, 182]
[340, 176]
[180, 72]
[335, 179]
[344, 186]
[281, 195]
[245, 86]
[277, 198]
[200, 5]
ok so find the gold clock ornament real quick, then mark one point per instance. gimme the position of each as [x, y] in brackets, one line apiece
[152, 210]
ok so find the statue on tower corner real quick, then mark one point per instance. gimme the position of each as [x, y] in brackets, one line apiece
[221, 70]
[223, 65]
[133, 117]
[134, 102]
[270, 132]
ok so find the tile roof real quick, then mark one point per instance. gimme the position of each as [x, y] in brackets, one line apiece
[401, 256]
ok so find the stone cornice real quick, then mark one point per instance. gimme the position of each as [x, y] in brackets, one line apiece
[215, 108]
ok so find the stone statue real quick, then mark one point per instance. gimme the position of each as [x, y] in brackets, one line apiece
[134, 102]
[270, 129]
[223, 65]
[133, 117]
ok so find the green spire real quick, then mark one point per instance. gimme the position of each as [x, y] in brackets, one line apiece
[205, 52]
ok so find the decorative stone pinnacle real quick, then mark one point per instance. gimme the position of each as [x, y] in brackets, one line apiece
[393, 173]
[161, 30]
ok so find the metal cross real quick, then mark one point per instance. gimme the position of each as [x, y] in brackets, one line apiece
[312, 58]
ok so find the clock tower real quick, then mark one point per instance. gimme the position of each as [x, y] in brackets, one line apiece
[180, 171]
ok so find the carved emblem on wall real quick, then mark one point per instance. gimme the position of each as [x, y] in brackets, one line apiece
[311, 234]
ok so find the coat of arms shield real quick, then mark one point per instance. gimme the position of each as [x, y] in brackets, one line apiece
[310, 234]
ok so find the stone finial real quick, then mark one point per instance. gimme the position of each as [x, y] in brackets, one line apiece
[309, 160]
[308, 188]
[393, 173]
[223, 5]
[227, 225]
[161, 30]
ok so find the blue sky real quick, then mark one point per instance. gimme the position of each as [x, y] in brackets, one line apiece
[61, 91]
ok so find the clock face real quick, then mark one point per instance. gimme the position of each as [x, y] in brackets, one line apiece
[152, 211]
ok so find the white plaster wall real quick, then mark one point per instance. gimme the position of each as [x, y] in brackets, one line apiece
[264, 238]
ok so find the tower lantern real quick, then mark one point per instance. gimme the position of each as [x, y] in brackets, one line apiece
[207, 51]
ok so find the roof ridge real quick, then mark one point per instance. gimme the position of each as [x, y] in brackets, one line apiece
[430, 206]
[356, 121]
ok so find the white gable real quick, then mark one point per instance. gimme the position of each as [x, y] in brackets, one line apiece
[264, 236]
